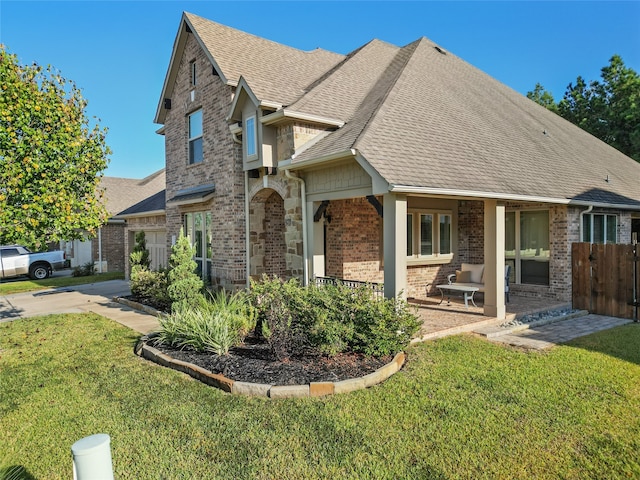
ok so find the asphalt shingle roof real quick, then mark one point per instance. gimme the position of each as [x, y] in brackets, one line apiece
[425, 119]
[122, 193]
[434, 121]
[276, 72]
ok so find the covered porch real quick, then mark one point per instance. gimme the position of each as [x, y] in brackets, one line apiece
[450, 318]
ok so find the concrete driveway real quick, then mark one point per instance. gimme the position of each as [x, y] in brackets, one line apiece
[92, 297]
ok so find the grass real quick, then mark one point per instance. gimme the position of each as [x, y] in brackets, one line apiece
[461, 408]
[21, 286]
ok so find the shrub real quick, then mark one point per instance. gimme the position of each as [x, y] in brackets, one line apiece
[330, 319]
[185, 286]
[215, 326]
[383, 327]
[83, 270]
[140, 255]
[278, 307]
[150, 285]
[198, 329]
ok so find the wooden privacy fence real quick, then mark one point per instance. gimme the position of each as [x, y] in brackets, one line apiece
[606, 279]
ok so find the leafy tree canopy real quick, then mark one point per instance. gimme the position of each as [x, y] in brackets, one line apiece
[608, 109]
[51, 159]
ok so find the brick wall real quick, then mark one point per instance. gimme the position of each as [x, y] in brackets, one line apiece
[275, 247]
[113, 252]
[470, 232]
[353, 241]
[222, 165]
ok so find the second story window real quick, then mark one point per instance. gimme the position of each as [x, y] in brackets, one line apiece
[195, 137]
[250, 127]
[192, 69]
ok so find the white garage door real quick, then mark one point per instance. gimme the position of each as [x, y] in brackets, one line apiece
[157, 246]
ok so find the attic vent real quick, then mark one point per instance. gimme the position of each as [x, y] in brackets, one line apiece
[439, 50]
[188, 29]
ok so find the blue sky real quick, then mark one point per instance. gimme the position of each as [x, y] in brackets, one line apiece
[118, 52]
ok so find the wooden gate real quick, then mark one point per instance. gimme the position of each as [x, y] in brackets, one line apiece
[603, 278]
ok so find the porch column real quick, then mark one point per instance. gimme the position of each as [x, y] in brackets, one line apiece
[494, 259]
[315, 251]
[395, 245]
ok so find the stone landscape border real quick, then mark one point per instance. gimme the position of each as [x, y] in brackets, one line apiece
[313, 389]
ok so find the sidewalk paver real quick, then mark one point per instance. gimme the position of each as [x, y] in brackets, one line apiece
[550, 334]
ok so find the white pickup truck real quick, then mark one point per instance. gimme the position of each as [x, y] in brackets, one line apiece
[16, 260]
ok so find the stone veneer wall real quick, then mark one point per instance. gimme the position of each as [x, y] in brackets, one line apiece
[222, 165]
[262, 219]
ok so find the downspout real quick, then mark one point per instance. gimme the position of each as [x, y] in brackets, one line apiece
[303, 199]
[99, 249]
[247, 243]
[582, 214]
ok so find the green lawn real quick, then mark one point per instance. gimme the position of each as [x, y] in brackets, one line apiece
[21, 286]
[461, 408]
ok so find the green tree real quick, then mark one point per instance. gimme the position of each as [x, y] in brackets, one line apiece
[51, 159]
[140, 255]
[543, 97]
[185, 286]
[608, 109]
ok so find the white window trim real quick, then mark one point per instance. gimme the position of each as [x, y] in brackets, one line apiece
[194, 138]
[516, 256]
[436, 257]
[252, 119]
[605, 229]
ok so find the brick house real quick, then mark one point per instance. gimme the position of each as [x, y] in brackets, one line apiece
[109, 249]
[390, 164]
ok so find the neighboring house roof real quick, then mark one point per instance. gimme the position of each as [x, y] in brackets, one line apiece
[122, 193]
[277, 74]
[153, 204]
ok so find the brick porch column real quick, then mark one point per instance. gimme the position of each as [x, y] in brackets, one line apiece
[494, 259]
[395, 245]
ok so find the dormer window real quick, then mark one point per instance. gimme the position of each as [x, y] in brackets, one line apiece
[250, 134]
[195, 137]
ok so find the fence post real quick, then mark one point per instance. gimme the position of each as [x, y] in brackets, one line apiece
[92, 458]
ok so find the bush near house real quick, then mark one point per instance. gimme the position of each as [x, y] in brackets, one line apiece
[330, 319]
[185, 286]
[147, 285]
[217, 325]
[294, 320]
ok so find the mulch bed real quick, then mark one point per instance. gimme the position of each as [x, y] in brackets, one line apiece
[255, 363]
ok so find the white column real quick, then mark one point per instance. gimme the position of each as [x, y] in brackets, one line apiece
[494, 259]
[316, 242]
[395, 245]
